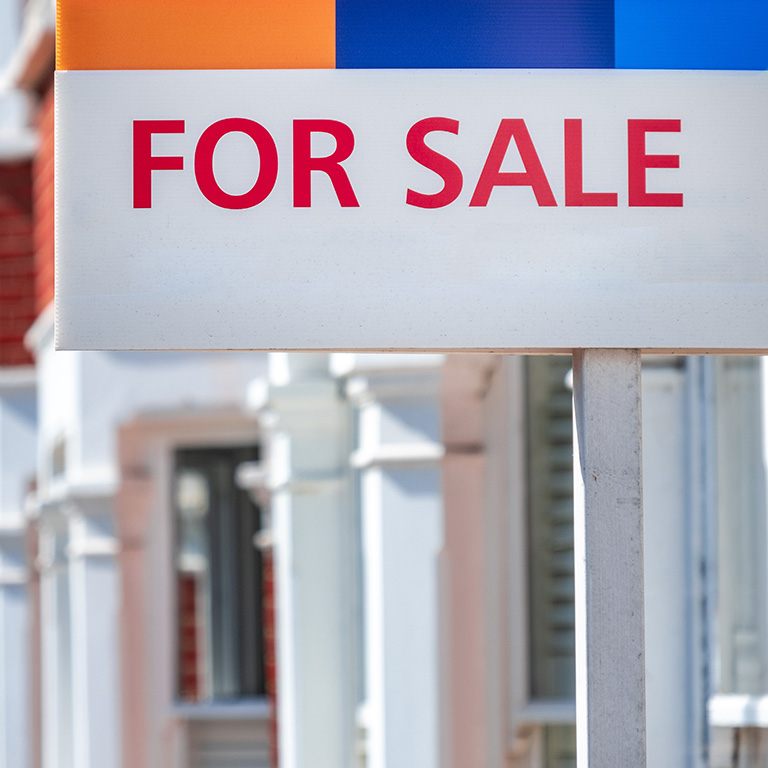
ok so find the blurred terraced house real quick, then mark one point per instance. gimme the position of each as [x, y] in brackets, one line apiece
[343, 560]
[80, 636]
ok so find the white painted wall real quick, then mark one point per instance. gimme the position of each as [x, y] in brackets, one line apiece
[84, 396]
[18, 423]
[83, 400]
[10, 27]
[116, 385]
[672, 551]
[16, 139]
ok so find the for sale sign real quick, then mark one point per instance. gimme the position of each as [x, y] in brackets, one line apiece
[421, 209]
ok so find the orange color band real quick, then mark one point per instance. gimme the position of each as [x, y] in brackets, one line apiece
[196, 34]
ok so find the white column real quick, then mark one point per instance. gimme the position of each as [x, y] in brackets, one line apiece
[18, 421]
[742, 528]
[314, 560]
[738, 706]
[608, 550]
[93, 581]
[398, 453]
[17, 140]
[56, 670]
[674, 551]
[14, 657]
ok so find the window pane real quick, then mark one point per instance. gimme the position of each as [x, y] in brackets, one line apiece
[218, 578]
[560, 746]
[193, 584]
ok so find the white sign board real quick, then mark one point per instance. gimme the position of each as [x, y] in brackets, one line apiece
[425, 209]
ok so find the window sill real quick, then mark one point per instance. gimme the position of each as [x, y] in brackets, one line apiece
[245, 709]
[738, 711]
[549, 712]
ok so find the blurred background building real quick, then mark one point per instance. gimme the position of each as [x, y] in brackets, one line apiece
[338, 560]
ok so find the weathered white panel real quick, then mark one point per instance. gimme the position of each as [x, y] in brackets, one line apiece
[187, 273]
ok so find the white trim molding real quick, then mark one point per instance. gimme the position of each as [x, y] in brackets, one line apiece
[738, 711]
[36, 48]
[244, 709]
[549, 712]
[397, 454]
[17, 377]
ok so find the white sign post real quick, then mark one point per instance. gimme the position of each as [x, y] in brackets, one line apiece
[608, 559]
[604, 212]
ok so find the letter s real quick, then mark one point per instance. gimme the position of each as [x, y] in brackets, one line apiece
[434, 161]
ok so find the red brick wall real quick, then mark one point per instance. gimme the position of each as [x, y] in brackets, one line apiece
[43, 199]
[17, 283]
[189, 682]
[270, 671]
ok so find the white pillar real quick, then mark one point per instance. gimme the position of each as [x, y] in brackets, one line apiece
[56, 679]
[93, 581]
[674, 552]
[14, 657]
[398, 453]
[18, 421]
[314, 561]
[18, 140]
[608, 551]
